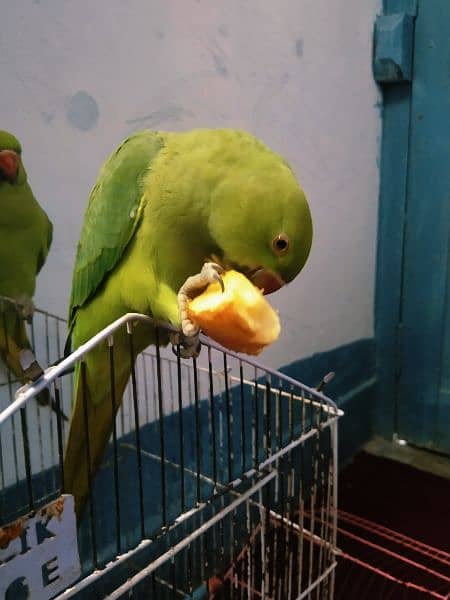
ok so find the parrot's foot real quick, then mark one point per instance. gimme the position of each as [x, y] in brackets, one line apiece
[185, 346]
[22, 304]
[26, 307]
[30, 366]
[186, 343]
[193, 286]
[32, 370]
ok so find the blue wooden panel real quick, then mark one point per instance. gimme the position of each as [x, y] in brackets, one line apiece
[393, 43]
[392, 205]
[424, 302]
[392, 208]
[443, 416]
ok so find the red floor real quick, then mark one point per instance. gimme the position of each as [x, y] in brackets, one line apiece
[410, 559]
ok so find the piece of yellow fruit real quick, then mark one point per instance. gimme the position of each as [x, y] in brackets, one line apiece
[240, 318]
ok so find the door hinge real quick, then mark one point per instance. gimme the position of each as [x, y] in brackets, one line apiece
[393, 48]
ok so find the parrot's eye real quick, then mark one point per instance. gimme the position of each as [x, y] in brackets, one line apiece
[280, 244]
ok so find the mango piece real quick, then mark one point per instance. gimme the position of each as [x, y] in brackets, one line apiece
[240, 319]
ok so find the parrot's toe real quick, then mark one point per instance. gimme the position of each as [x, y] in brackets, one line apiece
[186, 347]
[189, 328]
[212, 272]
[192, 287]
[175, 338]
[30, 366]
[27, 308]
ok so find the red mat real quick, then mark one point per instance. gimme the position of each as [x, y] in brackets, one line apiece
[394, 532]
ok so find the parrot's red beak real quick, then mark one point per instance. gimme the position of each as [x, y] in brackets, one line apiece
[9, 164]
[266, 280]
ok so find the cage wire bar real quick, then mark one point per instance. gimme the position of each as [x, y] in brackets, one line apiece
[219, 480]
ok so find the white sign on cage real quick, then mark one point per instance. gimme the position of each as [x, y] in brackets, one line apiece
[39, 553]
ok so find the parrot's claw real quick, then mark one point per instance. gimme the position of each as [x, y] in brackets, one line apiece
[193, 286]
[30, 366]
[185, 346]
[175, 338]
[212, 272]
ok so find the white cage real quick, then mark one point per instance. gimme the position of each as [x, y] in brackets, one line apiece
[219, 480]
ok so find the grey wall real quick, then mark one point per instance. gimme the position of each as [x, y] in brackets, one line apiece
[78, 76]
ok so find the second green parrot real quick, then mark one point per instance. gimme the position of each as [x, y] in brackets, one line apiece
[25, 239]
[168, 213]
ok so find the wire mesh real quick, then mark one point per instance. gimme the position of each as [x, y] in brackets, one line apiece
[46, 334]
[220, 474]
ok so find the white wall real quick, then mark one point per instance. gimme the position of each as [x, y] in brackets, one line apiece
[77, 77]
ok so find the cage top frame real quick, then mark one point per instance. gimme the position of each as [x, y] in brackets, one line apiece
[29, 391]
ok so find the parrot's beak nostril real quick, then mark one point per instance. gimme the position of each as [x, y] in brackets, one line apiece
[266, 280]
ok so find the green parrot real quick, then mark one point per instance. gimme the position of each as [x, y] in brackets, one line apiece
[168, 213]
[25, 239]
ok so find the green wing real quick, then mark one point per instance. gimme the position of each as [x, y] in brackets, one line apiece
[112, 215]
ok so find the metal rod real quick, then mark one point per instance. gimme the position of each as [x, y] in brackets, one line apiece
[301, 517]
[222, 542]
[283, 556]
[313, 492]
[400, 538]
[334, 449]
[263, 545]
[51, 405]
[309, 589]
[279, 421]
[250, 573]
[290, 553]
[88, 461]
[173, 577]
[256, 422]
[198, 448]
[213, 418]
[161, 428]
[112, 379]
[14, 432]
[136, 427]
[243, 444]
[47, 340]
[60, 435]
[146, 571]
[146, 398]
[320, 477]
[329, 507]
[229, 421]
[267, 421]
[189, 569]
[181, 431]
[27, 392]
[26, 452]
[291, 415]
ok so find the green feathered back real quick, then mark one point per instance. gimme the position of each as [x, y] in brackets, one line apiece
[113, 212]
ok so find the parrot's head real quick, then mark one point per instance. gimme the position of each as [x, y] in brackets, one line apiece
[12, 171]
[260, 220]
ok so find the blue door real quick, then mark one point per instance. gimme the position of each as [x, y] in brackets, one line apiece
[417, 198]
[424, 385]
